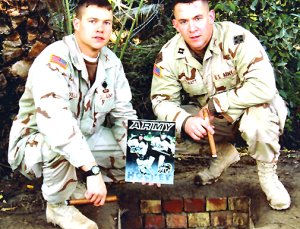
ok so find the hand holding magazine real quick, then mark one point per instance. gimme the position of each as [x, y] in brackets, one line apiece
[150, 151]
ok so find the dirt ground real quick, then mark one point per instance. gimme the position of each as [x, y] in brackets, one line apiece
[22, 206]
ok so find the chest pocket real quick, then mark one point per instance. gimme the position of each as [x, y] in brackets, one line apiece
[227, 82]
[192, 82]
[104, 100]
[225, 76]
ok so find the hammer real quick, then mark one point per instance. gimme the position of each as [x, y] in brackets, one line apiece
[210, 136]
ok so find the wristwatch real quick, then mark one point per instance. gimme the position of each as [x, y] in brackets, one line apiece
[95, 170]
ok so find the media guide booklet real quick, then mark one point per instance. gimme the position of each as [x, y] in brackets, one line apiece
[150, 151]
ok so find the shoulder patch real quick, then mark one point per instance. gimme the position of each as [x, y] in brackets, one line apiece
[57, 60]
[238, 39]
[156, 71]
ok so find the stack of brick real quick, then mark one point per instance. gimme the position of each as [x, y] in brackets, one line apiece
[225, 212]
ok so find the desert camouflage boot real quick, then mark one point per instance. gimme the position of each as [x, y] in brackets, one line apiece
[68, 217]
[277, 195]
[227, 155]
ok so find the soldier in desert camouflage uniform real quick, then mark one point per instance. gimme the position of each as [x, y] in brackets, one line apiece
[74, 86]
[222, 67]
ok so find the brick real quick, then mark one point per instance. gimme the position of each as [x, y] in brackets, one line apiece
[239, 204]
[240, 219]
[173, 206]
[176, 221]
[223, 218]
[150, 206]
[154, 221]
[198, 220]
[194, 205]
[216, 204]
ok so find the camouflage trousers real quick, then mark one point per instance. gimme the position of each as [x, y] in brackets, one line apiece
[60, 177]
[258, 126]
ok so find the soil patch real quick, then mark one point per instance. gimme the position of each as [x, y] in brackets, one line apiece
[22, 205]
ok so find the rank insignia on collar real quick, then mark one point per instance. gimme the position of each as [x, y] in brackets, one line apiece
[238, 39]
[180, 50]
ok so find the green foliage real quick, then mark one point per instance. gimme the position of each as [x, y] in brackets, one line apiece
[138, 64]
[275, 23]
[62, 13]
[61, 16]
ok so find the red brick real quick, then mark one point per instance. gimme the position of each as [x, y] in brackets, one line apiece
[176, 221]
[194, 205]
[150, 206]
[223, 218]
[239, 204]
[154, 221]
[216, 204]
[173, 206]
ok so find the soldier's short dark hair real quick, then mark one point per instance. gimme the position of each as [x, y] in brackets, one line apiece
[85, 3]
[175, 2]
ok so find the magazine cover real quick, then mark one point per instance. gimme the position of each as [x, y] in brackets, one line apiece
[150, 151]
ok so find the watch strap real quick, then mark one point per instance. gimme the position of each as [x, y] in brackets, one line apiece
[91, 172]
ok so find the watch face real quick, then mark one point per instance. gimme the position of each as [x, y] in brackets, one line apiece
[95, 170]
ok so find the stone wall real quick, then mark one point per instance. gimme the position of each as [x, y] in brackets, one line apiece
[24, 33]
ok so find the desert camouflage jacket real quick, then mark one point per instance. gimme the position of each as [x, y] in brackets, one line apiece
[236, 73]
[60, 103]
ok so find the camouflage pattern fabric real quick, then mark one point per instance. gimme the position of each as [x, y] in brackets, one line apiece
[60, 110]
[235, 74]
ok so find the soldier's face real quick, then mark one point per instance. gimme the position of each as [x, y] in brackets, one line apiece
[93, 29]
[194, 21]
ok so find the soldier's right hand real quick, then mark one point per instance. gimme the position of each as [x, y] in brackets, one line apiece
[96, 189]
[196, 127]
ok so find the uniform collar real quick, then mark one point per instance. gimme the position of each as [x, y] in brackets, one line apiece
[106, 58]
[213, 44]
[77, 59]
[183, 52]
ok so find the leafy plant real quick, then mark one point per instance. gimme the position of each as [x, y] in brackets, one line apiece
[275, 23]
[138, 63]
[62, 13]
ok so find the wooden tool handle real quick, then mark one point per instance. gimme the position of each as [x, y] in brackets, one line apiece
[210, 136]
[86, 201]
